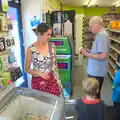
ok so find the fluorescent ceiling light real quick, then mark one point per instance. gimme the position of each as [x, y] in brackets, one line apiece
[91, 2]
[117, 4]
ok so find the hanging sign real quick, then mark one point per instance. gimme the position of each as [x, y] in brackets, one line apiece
[115, 24]
[4, 5]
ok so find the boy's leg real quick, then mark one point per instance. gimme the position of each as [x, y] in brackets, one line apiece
[116, 111]
[100, 80]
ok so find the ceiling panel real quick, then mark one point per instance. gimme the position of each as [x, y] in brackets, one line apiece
[93, 2]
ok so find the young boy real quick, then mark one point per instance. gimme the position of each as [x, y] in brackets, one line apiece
[116, 95]
[89, 108]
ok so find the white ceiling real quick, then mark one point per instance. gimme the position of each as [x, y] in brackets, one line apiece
[93, 2]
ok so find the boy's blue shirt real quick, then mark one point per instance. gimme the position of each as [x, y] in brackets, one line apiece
[116, 87]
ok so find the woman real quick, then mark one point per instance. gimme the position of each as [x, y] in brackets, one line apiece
[98, 56]
[42, 54]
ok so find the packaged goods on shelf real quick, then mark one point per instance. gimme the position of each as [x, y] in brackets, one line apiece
[114, 55]
[88, 35]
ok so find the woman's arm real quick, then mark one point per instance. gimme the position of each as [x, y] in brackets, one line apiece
[28, 61]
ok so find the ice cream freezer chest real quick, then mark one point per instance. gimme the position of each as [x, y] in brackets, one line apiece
[28, 104]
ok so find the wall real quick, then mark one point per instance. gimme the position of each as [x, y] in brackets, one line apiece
[79, 10]
[98, 11]
[89, 11]
[48, 6]
[30, 8]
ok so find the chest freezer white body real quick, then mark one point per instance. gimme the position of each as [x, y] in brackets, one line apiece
[28, 104]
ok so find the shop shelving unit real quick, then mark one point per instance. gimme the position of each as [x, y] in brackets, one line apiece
[114, 35]
[88, 36]
[114, 55]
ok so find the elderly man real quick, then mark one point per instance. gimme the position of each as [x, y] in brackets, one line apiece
[98, 55]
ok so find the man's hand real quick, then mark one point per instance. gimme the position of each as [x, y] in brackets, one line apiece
[84, 52]
[88, 50]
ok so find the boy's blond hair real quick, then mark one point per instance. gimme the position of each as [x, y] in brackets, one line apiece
[90, 86]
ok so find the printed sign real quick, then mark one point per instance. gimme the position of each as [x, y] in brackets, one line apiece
[63, 66]
[59, 43]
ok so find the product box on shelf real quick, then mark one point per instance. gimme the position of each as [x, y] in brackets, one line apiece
[4, 5]
[5, 62]
[6, 77]
[4, 65]
[9, 42]
[16, 73]
[4, 24]
[1, 83]
[11, 57]
[67, 88]
[2, 44]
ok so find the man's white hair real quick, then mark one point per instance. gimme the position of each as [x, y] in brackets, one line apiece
[96, 19]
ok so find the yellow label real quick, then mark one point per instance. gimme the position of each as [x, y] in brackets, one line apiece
[115, 24]
[5, 5]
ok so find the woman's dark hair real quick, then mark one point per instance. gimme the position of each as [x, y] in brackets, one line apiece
[42, 28]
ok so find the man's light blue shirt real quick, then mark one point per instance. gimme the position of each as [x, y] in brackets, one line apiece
[100, 45]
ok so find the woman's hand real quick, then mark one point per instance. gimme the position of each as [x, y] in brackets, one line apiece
[41, 74]
[45, 76]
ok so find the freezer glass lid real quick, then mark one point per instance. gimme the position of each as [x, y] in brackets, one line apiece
[23, 107]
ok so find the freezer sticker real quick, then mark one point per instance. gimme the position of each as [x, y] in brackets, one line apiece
[63, 56]
[58, 43]
[63, 66]
[61, 50]
[3, 118]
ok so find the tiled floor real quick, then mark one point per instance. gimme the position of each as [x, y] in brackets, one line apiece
[78, 75]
